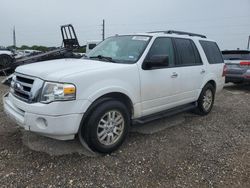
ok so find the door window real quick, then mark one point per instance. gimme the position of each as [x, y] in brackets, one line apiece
[188, 54]
[163, 46]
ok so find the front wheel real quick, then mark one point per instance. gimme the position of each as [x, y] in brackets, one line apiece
[107, 127]
[206, 100]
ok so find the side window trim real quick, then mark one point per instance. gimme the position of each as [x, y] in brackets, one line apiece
[177, 55]
[198, 58]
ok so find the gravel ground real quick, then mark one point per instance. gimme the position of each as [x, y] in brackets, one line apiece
[183, 151]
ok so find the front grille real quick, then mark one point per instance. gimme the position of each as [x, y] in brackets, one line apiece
[22, 85]
[24, 80]
[25, 88]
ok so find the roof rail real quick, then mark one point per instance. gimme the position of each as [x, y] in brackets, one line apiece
[180, 33]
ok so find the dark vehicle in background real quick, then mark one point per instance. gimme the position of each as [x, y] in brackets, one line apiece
[238, 65]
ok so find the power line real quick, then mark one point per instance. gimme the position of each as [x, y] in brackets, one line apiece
[103, 30]
[14, 38]
[248, 44]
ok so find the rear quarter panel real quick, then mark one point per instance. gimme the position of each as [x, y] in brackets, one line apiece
[213, 71]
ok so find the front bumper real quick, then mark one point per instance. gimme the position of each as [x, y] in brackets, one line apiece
[54, 125]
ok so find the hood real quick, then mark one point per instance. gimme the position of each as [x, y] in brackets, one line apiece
[55, 70]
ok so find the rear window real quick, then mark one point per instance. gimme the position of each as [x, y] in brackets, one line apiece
[212, 52]
[236, 55]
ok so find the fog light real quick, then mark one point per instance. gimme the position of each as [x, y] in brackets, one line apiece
[41, 123]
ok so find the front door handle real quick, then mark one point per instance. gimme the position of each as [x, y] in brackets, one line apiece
[174, 75]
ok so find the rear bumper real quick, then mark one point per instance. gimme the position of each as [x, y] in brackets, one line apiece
[239, 75]
[62, 127]
[235, 78]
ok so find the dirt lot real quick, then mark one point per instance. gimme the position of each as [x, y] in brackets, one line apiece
[183, 151]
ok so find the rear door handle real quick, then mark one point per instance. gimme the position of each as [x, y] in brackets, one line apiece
[203, 71]
[174, 75]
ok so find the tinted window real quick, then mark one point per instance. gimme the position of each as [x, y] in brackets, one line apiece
[236, 55]
[163, 46]
[197, 54]
[212, 52]
[187, 52]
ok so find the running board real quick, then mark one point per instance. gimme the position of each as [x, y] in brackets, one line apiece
[164, 114]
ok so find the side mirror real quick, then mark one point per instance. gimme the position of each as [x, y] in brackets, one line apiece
[156, 61]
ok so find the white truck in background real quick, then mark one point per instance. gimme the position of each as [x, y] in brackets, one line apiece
[6, 52]
[90, 45]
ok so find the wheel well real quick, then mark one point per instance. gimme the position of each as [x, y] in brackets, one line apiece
[212, 82]
[120, 97]
[114, 95]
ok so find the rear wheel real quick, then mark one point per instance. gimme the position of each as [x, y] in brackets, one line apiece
[107, 127]
[206, 100]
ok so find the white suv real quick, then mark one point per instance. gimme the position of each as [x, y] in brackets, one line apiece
[125, 80]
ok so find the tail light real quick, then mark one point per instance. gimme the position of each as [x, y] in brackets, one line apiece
[224, 70]
[245, 63]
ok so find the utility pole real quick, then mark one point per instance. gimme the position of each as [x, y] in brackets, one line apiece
[248, 45]
[14, 38]
[103, 30]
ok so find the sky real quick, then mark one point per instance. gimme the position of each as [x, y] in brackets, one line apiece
[37, 22]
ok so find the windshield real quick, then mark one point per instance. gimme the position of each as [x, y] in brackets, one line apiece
[120, 49]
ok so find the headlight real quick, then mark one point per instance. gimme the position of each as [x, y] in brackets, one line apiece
[12, 83]
[57, 92]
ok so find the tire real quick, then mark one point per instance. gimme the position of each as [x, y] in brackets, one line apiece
[106, 127]
[5, 61]
[206, 100]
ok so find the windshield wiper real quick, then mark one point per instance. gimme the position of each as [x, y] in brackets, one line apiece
[101, 57]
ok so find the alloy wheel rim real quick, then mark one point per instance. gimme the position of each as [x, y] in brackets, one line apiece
[207, 99]
[110, 128]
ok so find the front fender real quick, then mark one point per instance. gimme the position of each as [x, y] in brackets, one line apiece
[115, 89]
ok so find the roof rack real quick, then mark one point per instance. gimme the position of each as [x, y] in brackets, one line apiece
[180, 33]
